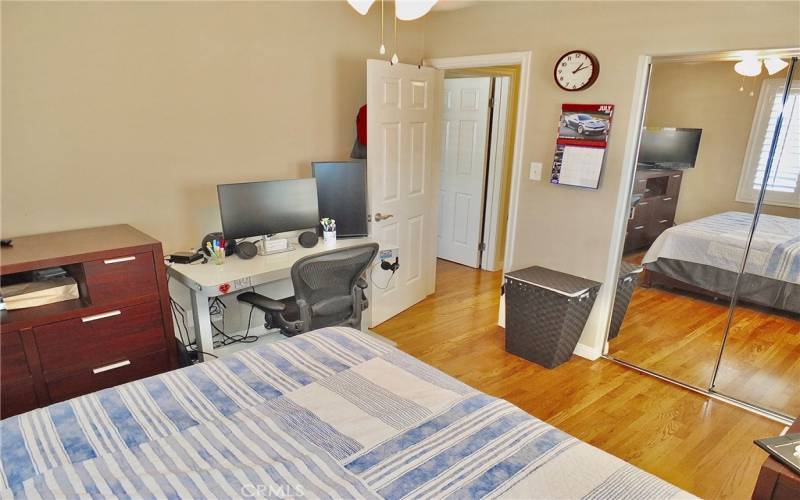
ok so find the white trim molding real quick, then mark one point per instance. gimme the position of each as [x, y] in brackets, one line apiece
[523, 59]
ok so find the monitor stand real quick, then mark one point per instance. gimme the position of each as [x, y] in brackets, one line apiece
[268, 246]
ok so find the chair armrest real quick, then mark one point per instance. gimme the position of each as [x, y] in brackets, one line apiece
[362, 283]
[261, 302]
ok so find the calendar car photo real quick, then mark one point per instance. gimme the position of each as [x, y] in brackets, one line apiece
[582, 124]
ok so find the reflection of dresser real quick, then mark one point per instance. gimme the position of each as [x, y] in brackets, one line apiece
[655, 212]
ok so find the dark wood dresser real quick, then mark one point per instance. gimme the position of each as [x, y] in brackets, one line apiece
[655, 212]
[120, 329]
[775, 480]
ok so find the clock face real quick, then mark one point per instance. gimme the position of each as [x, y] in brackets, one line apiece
[576, 70]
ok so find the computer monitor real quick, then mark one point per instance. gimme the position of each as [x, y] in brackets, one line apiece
[265, 208]
[342, 195]
[669, 147]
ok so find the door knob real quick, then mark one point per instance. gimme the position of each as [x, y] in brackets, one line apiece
[379, 217]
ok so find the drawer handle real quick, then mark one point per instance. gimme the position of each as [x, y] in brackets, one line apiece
[119, 259]
[676, 176]
[667, 199]
[663, 221]
[112, 366]
[638, 227]
[95, 317]
[643, 203]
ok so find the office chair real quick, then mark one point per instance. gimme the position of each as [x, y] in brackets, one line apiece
[329, 291]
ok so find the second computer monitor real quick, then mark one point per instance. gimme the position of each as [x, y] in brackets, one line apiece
[270, 207]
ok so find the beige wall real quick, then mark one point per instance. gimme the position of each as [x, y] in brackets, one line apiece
[133, 112]
[707, 96]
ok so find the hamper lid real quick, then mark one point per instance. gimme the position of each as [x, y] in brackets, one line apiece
[627, 268]
[555, 281]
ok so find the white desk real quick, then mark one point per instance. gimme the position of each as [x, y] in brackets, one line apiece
[211, 280]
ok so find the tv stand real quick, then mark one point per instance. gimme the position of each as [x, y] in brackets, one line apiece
[655, 212]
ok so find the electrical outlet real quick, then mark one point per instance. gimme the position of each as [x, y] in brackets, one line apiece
[389, 254]
[536, 171]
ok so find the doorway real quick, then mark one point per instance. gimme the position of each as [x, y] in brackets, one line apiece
[479, 110]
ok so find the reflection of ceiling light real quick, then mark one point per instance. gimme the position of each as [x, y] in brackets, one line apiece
[362, 6]
[774, 65]
[748, 67]
[408, 10]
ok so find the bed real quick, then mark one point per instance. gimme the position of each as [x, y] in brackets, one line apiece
[705, 255]
[333, 413]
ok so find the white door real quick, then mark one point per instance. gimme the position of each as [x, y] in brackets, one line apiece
[401, 155]
[463, 169]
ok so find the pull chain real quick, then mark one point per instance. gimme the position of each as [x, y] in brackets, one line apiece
[382, 50]
[395, 59]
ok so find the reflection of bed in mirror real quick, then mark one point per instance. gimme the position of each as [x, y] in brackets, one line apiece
[703, 256]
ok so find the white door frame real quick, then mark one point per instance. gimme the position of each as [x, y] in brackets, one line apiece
[606, 295]
[523, 59]
[494, 185]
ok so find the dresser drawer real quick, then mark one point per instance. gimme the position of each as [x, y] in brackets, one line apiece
[121, 278]
[17, 396]
[108, 375]
[13, 363]
[100, 339]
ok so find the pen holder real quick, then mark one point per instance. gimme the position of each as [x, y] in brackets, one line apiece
[218, 258]
[329, 237]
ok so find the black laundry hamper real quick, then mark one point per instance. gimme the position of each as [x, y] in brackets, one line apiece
[628, 278]
[546, 311]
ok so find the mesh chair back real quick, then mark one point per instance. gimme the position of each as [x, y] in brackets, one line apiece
[324, 283]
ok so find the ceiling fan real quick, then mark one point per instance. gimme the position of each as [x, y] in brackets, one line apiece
[406, 10]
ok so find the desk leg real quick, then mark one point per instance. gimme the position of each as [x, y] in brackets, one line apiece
[202, 325]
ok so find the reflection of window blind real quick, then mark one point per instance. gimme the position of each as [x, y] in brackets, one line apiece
[786, 164]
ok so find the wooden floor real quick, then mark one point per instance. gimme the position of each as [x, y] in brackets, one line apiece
[679, 335]
[701, 445]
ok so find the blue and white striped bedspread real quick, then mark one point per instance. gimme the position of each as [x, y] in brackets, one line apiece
[329, 414]
[719, 240]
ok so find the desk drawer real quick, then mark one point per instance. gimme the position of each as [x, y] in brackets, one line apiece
[100, 339]
[121, 278]
[108, 375]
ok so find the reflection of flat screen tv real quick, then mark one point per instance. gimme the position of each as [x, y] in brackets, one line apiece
[669, 147]
[342, 195]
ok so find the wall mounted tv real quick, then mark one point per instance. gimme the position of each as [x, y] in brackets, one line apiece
[342, 195]
[669, 147]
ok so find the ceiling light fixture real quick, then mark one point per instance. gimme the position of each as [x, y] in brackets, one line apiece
[361, 6]
[748, 67]
[774, 65]
[408, 10]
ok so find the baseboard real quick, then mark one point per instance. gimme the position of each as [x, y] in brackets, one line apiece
[587, 352]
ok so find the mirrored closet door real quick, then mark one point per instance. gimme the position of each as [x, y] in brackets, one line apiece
[760, 361]
[684, 311]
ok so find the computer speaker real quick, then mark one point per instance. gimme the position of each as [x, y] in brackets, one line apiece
[308, 239]
[246, 250]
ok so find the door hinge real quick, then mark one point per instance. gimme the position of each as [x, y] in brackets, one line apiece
[481, 247]
[491, 102]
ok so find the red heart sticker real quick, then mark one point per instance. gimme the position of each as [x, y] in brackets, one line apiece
[224, 288]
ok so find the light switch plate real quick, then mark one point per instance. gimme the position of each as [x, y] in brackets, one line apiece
[536, 171]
